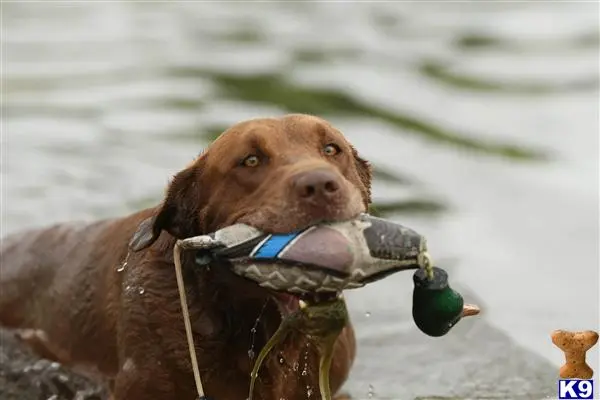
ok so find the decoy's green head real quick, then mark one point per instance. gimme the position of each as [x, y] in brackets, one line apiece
[436, 306]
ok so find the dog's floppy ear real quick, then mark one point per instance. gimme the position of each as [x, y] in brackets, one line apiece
[178, 214]
[143, 236]
[365, 173]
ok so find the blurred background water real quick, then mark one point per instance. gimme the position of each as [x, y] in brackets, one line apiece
[481, 119]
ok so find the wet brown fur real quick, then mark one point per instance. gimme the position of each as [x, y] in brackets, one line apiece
[61, 285]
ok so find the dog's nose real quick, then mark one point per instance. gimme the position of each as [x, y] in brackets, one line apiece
[317, 184]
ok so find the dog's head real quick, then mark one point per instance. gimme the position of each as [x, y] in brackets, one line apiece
[278, 175]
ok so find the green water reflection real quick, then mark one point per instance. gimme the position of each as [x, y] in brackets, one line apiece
[275, 89]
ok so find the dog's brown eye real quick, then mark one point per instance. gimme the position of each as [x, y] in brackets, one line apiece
[331, 149]
[251, 161]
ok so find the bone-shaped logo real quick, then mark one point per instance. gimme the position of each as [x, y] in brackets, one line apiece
[575, 345]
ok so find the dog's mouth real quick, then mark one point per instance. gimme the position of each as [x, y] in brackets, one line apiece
[289, 303]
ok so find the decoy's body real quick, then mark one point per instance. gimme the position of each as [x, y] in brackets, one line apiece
[318, 263]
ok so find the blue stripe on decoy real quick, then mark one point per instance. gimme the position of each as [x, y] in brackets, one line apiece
[273, 246]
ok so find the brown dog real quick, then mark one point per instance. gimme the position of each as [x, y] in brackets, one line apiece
[82, 296]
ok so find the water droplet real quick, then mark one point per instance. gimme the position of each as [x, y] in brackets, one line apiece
[368, 314]
[371, 391]
[121, 268]
[308, 391]
[40, 365]
[253, 330]
[296, 366]
[128, 287]
[281, 360]
[141, 290]
[304, 372]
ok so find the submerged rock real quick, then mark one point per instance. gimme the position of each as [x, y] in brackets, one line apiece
[23, 376]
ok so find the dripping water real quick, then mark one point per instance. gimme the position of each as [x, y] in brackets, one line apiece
[251, 353]
[371, 392]
[121, 267]
[305, 369]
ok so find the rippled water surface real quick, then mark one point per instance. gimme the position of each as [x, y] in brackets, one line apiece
[480, 118]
